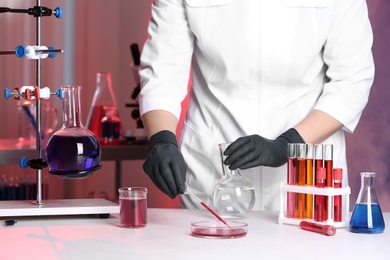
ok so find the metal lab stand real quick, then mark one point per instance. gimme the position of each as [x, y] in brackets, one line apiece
[11, 154]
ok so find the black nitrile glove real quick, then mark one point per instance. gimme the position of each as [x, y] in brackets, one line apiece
[254, 150]
[165, 164]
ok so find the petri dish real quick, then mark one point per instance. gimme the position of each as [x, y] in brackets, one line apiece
[216, 229]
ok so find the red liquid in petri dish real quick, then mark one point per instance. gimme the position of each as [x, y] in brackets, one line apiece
[212, 229]
[133, 212]
[220, 233]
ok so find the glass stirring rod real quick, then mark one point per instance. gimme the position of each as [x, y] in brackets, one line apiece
[205, 205]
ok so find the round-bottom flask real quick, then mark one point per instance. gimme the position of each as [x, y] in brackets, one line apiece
[233, 194]
[73, 151]
[367, 214]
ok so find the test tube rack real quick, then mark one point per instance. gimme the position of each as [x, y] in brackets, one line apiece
[101, 207]
[328, 191]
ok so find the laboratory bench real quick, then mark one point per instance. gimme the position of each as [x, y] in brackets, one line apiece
[168, 236]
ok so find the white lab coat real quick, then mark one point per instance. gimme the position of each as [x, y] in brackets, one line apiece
[258, 67]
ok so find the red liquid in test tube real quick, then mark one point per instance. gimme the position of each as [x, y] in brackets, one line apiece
[319, 200]
[309, 180]
[301, 179]
[318, 156]
[291, 179]
[319, 163]
[318, 228]
[338, 177]
[328, 161]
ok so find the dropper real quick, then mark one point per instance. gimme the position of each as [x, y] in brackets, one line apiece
[205, 205]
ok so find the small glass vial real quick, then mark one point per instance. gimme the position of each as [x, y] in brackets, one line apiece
[367, 215]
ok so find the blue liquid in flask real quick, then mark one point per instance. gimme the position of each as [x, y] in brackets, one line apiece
[364, 222]
[367, 215]
[73, 156]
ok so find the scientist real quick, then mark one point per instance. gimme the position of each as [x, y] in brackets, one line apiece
[264, 73]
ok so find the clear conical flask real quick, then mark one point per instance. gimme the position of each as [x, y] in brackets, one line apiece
[233, 194]
[103, 117]
[367, 215]
[73, 151]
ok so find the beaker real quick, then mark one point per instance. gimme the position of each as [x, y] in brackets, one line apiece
[367, 215]
[233, 194]
[73, 151]
[103, 118]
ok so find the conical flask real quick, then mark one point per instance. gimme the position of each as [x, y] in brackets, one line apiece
[233, 194]
[73, 151]
[367, 215]
[103, 118]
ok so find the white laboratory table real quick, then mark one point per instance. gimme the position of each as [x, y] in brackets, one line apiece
[168, 236]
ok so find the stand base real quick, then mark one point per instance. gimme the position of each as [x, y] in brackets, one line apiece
[57, 207]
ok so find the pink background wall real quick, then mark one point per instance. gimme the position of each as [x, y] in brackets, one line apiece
[96, 35]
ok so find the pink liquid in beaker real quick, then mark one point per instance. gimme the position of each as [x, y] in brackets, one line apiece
[133, 212]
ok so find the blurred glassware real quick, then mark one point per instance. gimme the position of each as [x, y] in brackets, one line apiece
[103, 118]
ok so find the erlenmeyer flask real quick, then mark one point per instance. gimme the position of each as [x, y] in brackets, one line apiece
[233, 194]
[103, 118]
[367, 215]
[73, 151]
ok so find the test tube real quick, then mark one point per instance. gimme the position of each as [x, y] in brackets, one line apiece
[337, 201]
[291, 179]
[318, 228]
[319, 200]
[301, 179]
[309, 180]
[318, 155]
[328, 164]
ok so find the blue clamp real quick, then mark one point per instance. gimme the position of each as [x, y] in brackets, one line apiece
[20, 51]
[59, 93]
[51, 55]
[7, 93]
[23, 162]
[58, 12]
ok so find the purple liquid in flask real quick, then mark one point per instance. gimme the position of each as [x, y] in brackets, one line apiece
[69, 154]
[73, 151]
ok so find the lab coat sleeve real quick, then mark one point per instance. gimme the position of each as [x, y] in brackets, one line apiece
[347, 52]
[166, 58]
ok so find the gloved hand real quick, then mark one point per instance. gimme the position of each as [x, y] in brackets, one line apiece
[165, 164]
[254, 150]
